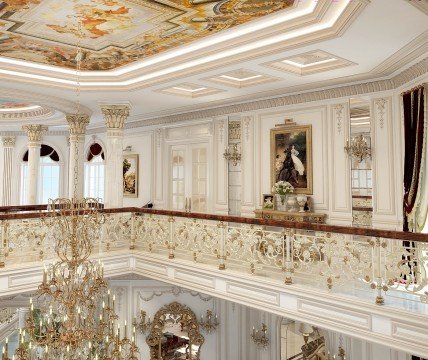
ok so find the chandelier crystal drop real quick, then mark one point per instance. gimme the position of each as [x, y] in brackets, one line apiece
[74, 315]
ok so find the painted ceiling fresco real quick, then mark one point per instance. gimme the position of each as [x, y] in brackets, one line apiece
[12, 105]
[116, 32]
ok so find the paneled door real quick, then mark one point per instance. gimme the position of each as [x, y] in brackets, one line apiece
[189, 177]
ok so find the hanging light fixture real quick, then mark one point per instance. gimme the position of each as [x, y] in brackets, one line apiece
[73, 316]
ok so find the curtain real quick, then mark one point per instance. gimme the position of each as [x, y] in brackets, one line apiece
[414, 152]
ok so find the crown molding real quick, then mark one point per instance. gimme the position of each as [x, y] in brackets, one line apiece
[46, 133]
[421, 5]
[320, 94]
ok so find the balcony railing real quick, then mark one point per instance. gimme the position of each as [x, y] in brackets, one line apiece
[366, 262]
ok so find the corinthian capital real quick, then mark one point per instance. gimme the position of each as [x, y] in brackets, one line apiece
[34, 132]
[8, 141]
[77, 123]
[115, 115]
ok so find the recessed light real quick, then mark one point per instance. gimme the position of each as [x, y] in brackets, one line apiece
[189, 90]
[240, 79]
[291, 62]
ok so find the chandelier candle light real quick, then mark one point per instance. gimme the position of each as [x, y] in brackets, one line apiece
[142, 324]
[260, 337]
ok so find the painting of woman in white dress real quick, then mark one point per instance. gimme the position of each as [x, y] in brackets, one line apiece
[291, 151]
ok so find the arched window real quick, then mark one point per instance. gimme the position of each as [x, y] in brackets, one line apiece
[49, 175]
[94, 172]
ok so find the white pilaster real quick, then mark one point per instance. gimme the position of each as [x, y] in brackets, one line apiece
[248, 191]
[159, 182]
[34, 133]
[115, 117]
[221, 166]
[8, 146]
[384, 189]
[340, 167]
[77, 124]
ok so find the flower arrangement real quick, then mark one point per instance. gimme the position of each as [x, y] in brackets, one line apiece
[282, 188]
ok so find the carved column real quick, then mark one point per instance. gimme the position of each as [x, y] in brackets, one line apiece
[34, 133]
[77, 123]
[115, 117]
[8, 145]
[221, 166]
[248, 191]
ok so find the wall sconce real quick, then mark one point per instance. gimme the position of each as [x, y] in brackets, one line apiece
[210, 322]
[234, 155]
[142, 324]
[340, 352]
[260, 337]
[358, 149]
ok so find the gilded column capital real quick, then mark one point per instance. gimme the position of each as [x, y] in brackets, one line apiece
[77, 123]
[34, 132]
[115, 116]
[9, 141]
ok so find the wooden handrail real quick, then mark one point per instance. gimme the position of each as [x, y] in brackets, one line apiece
[348, 230]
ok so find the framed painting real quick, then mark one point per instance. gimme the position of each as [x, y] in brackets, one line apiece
[130, 175]
[268, 202]
[291, 157]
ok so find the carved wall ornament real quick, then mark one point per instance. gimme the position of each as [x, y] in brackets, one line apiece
[246, 122]
[115, 115]
[234, 131]
[338, 109]
[381, 107]
[176, 291]
[77, 123]
[34, 132]
[159, 136]
[221, 124]
[9, 141]
[174, 313]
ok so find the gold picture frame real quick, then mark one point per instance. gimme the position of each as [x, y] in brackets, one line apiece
[130, 175]
[291, 157]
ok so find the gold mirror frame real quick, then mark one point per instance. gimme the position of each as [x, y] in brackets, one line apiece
[180, 314]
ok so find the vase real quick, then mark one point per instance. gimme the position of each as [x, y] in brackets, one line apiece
[281, 203]
[301, 200]
[291, 202]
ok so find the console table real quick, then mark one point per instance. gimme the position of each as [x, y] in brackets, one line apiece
[309, 217]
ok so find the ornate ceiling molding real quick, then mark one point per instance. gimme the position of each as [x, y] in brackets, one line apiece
[40, 112]
[400, 79]
[51, 102]
[306, 23]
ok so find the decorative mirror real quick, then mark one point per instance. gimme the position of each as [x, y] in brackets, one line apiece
[359, 150]
[175, 334]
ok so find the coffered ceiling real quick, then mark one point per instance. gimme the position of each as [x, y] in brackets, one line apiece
[304, 46]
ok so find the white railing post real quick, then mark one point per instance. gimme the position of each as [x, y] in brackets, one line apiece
[3, 244]
[222, 246]
[133, 236]
[378, 272]
[289, 238]
[171, 246]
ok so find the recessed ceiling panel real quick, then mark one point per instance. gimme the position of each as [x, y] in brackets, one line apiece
[242, 78]
[311, 62]
[116, 32]
[190, 90]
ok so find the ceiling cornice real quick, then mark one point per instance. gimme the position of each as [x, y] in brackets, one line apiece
[320, 94]
[47, 133]
[327, 19]
[421, 5]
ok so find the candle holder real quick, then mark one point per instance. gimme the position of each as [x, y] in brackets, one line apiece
[143, 324]
[210, 322]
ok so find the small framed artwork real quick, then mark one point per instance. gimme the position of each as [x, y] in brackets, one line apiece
[130, 175]
[291, 157]
[268, 202]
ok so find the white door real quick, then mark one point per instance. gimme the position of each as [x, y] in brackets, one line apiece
[189, 173]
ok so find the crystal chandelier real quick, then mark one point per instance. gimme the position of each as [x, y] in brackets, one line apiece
[210, 322]
[359, 149]
[75, 318]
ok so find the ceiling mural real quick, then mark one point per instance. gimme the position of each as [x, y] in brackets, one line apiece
[12, 105]
[116, 32]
